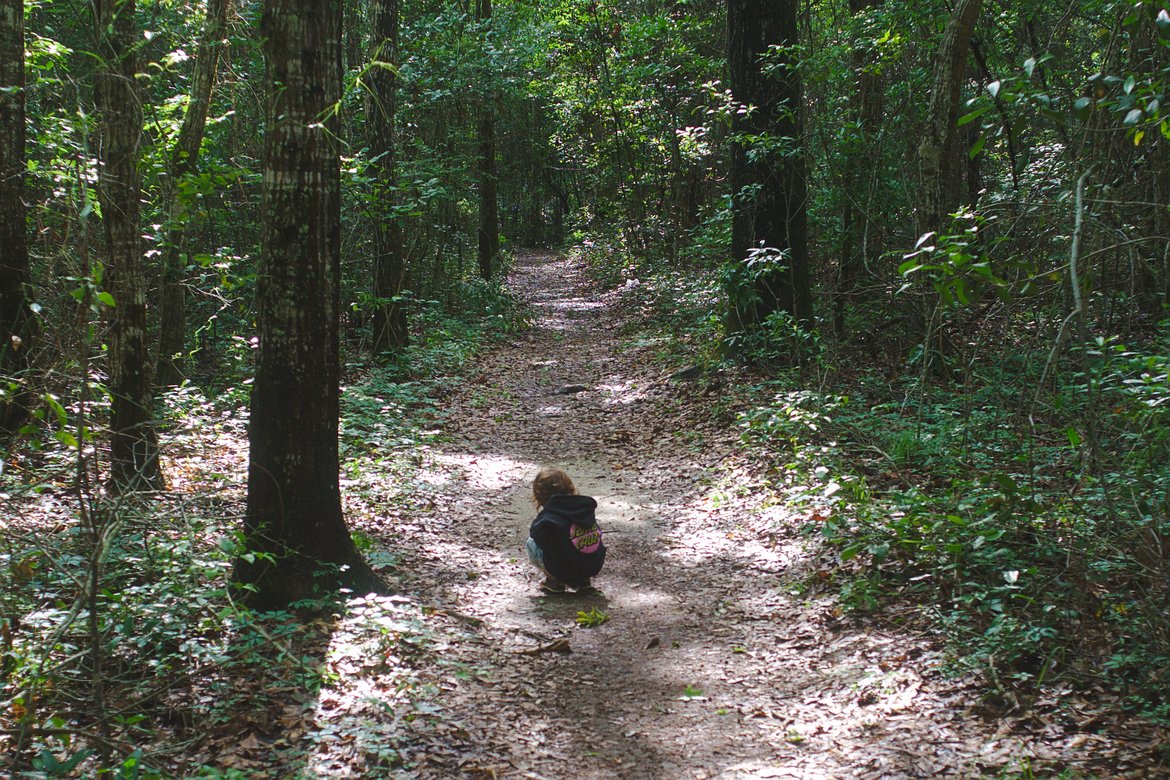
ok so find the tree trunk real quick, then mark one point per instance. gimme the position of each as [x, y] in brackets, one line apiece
[769, 188]
[389, 320]
[941, 182]
[294, 517]
[133, 444]
[353, 34]
[489, 213]
[184, 161]
[859, 235]
[16, 323]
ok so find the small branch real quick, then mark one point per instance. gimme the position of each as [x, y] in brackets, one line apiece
[1074, 281]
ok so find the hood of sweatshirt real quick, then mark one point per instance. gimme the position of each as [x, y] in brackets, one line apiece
[575, 509]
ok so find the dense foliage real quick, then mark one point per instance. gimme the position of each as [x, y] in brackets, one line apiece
[978, 413]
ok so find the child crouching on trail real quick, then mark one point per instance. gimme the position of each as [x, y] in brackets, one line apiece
[564, 541]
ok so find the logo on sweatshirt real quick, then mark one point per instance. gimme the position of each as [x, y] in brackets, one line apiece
[586, 540]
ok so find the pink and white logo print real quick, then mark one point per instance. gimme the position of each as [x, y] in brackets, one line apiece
[586, 540]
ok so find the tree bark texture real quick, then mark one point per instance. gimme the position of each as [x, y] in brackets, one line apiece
[941, 180]
[770, 190]
[184, 161]
[133, 441]
[860, 237]
[294, 501]
[16, 323]
[389, 320]
[489, 210]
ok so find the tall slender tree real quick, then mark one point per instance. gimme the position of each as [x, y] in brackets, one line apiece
[16, 324]
[489, 210]
[294, 518]
[768, 184]
[134, 443]
[941, 183]
[389, 320]
[860, 234]
[184, 161]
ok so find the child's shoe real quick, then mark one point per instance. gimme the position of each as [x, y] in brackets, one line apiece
[552, 586]
[585, 588]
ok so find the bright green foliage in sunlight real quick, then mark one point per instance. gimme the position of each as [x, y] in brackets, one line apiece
[591, 618]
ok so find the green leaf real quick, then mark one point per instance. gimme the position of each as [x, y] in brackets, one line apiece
[1130, 83]
[1133, 117]
[977, 147]
[961, 291]
[851, 552]
[993, 88]
[1082, 108]
[1029, 66]
[1163, 22]
[972, 116]
[58, 409]
[107, 299]
[593, 617]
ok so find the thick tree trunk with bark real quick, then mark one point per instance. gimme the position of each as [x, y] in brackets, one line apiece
[389, 320]
[16, 323]
[489, 210]
[941, 180]
[133, 442]
[294, 501]
[184, 161]
[769, 188]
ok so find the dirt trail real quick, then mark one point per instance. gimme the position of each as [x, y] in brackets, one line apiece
[712, 663]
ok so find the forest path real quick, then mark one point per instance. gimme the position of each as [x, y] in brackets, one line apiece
[712, 663]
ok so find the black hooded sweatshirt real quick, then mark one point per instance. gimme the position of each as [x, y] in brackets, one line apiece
[567, 533]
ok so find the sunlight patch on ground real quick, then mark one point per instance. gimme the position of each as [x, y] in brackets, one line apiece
[358, 722]
[622, 393]
[695, 539]
[487, 472]
[619, 515]
[575, 304]
[435, 477]
[647, 600]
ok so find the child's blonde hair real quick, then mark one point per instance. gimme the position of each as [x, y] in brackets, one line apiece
[551, 482]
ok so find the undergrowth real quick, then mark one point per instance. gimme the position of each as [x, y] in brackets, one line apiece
[1031, 529]
[1019, 507]
[121, 643]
